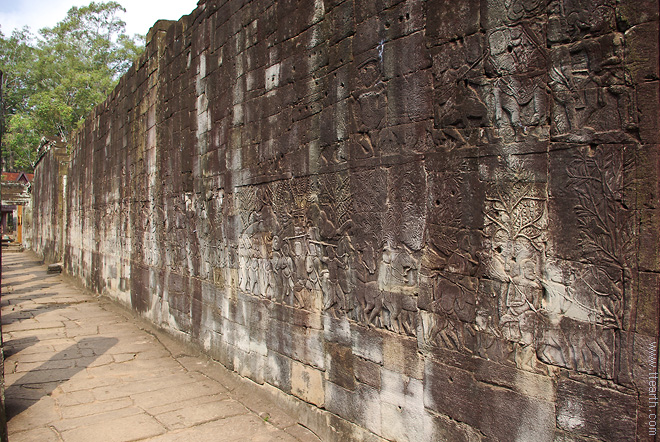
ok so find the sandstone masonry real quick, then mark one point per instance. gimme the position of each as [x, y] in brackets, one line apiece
[410, 220]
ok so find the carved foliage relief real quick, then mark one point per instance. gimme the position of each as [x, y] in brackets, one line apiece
[394, 246]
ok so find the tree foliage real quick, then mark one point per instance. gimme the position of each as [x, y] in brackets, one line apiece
[52, 81]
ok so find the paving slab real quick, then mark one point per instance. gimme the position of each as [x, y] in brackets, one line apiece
[79, 367]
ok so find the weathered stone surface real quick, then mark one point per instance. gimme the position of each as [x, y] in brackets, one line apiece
[307, 383]
[357, 201]
[340, 366]
[592, 411]
[487, 407]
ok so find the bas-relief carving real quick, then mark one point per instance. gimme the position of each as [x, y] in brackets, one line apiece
[297, 246]
[458, 75]
[563, 313]
[585, 300]
[499, 81]
[559, 312]
[588, 87]
[570, 20]
[519, 9]
[533, 300]
[516, 61]
[602, 180]
[515, 226]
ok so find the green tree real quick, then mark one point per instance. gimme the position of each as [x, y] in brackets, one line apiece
[55, 80]
[17, 56]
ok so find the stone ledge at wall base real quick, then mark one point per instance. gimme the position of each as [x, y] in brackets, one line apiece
[55, 267]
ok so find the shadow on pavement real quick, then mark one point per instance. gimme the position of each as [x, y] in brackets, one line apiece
[30, 313]
[14, 346]
[41, 381]
[29, 282]
[14, 266]
[14, 298]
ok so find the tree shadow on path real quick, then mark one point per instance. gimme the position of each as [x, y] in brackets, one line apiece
[41, 381]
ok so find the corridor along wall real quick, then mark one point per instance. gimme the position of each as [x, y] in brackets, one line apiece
[416, 220]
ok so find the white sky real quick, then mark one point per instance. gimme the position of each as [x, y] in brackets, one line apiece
[139, 17]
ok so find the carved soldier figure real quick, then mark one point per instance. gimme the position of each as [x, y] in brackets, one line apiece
[367, 290]
[564, 91]
[334, 296]
[286, 272]
[512, 60]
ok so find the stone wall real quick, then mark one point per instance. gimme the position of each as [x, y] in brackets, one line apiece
[45, 234]
[428, 220]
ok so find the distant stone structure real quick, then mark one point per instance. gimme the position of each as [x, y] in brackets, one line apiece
[15, 196]
[416, 220]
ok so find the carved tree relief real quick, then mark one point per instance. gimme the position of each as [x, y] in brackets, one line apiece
[607, 227]
[515, 224]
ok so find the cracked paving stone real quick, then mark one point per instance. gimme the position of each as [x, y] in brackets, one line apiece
[81, 368]
[128, 428]
[42, 434]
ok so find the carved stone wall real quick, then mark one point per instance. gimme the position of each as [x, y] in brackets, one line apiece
[49, 202]
[428, 220]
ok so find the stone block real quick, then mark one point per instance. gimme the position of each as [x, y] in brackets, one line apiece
[409, 98]
[647, 95]
[250, 365]
[401, 391]
[367, 372]
[400, 354]
[641, 45]
[362, 406]
[405, 424]
[339, 365]
[633, 12]
[369, 110]
[452, 20]
[368, 343]
[337, 330]
[646, 184]
[307, 383]
[368, 35]
[648, 299]
[596, 412]
[648, 258]
[341, 21]
[277, 371]
[444, 428]
[341, 54]
[338, 86]
[299, 343]
[405, 18]
[525, 383]
[638, 360]
[500, 413]
[297, 317]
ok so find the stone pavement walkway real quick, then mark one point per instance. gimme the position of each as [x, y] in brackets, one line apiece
[80, 368]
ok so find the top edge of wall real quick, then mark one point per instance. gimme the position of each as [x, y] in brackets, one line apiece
[185, 20]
